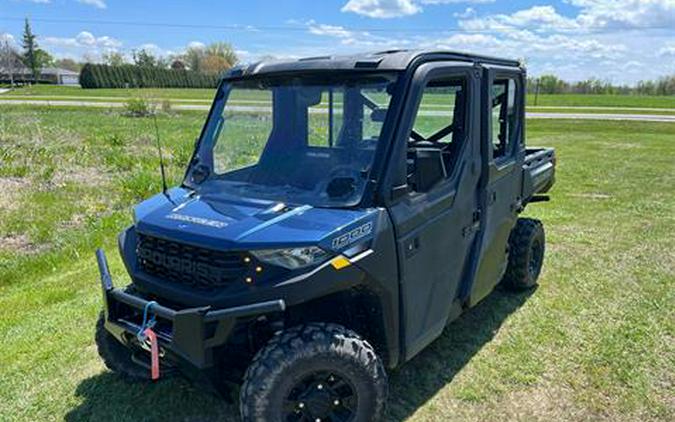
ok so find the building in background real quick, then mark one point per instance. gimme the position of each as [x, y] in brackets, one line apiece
[48, 75]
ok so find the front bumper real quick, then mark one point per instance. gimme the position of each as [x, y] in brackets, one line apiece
[186, 336]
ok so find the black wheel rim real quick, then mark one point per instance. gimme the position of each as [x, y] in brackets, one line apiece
[536, 255]
[321, 396]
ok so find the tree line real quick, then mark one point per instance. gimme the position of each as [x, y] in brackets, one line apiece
[133, 76]
[199, 66]
[551, 84]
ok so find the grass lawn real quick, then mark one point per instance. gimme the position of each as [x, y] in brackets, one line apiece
[654, 112]
[595, 341]
[600, 100]
[76, 91]
[206, 95]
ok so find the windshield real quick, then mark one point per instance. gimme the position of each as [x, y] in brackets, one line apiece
[295, 140]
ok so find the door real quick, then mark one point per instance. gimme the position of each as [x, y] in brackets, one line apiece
[504, 107]
[435, 215]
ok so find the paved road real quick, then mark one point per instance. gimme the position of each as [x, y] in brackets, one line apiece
[530, 115]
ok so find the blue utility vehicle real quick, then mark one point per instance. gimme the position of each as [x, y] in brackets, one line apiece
[336, 214]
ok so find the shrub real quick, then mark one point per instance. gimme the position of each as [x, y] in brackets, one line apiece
[139, 107]
[166, 106]
[132, 76]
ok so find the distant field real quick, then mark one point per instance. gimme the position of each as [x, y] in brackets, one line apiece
[604, 110]
[603, 100]
[74, 91]
[594, 342]
[206, 95]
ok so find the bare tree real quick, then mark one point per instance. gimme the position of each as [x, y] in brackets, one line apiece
[9, 60]
[113, 58]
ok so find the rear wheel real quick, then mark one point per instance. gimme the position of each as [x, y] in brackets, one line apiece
[315, 372]
[116, 356]
[527, 244]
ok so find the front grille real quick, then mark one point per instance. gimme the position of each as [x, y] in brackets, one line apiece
[189, 265]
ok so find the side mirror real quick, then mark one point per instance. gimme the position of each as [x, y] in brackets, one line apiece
[199, 173]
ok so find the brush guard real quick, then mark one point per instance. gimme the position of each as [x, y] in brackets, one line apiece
[185, 335]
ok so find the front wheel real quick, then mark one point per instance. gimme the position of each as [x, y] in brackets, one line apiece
[315, 372]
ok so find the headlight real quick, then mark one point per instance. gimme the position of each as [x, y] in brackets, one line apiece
[292, 258]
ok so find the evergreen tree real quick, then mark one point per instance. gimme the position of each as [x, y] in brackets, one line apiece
[30, 55]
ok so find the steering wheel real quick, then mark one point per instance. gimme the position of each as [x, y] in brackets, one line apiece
[433, 139]
[341, 175]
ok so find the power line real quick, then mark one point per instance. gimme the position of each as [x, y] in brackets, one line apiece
[276, 28]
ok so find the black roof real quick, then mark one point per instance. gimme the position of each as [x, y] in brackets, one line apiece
[382, 60]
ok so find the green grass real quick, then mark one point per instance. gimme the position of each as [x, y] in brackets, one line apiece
[75, 91]
[206, 95]
[610, 110]
[600, 100]
[595, 341]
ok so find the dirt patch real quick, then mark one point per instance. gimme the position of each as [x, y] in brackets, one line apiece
[83, 176]
[591, 195]
[621, 145]
[20, 243]
[540, 403]
[11, 189]
[76, 221]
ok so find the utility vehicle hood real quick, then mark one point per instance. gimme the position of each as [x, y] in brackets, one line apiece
[226, 222]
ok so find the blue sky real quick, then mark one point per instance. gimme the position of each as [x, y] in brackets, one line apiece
[619, 40]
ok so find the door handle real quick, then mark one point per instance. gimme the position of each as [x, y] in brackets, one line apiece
[474, 226]
[412, 246]
[517, 205]
[471, 229]
[493, 197]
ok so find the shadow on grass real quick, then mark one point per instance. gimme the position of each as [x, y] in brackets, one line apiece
[106, 397]
[418, 380]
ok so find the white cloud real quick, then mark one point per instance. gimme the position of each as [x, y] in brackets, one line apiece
[84, 39]
[156, 50]
[196, 44]
[667, 50]
[7, 37]
[354, 39]
[468, 13]
[462, 41]
[593, 41]
[632, 66]
[150, 47]
[382, 9]
[456, 1]
[626, 13]
[541, 17]
[100, 4]
[594, 15]
[330, 30]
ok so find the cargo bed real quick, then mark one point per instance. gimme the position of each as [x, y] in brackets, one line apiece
[538, 172]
